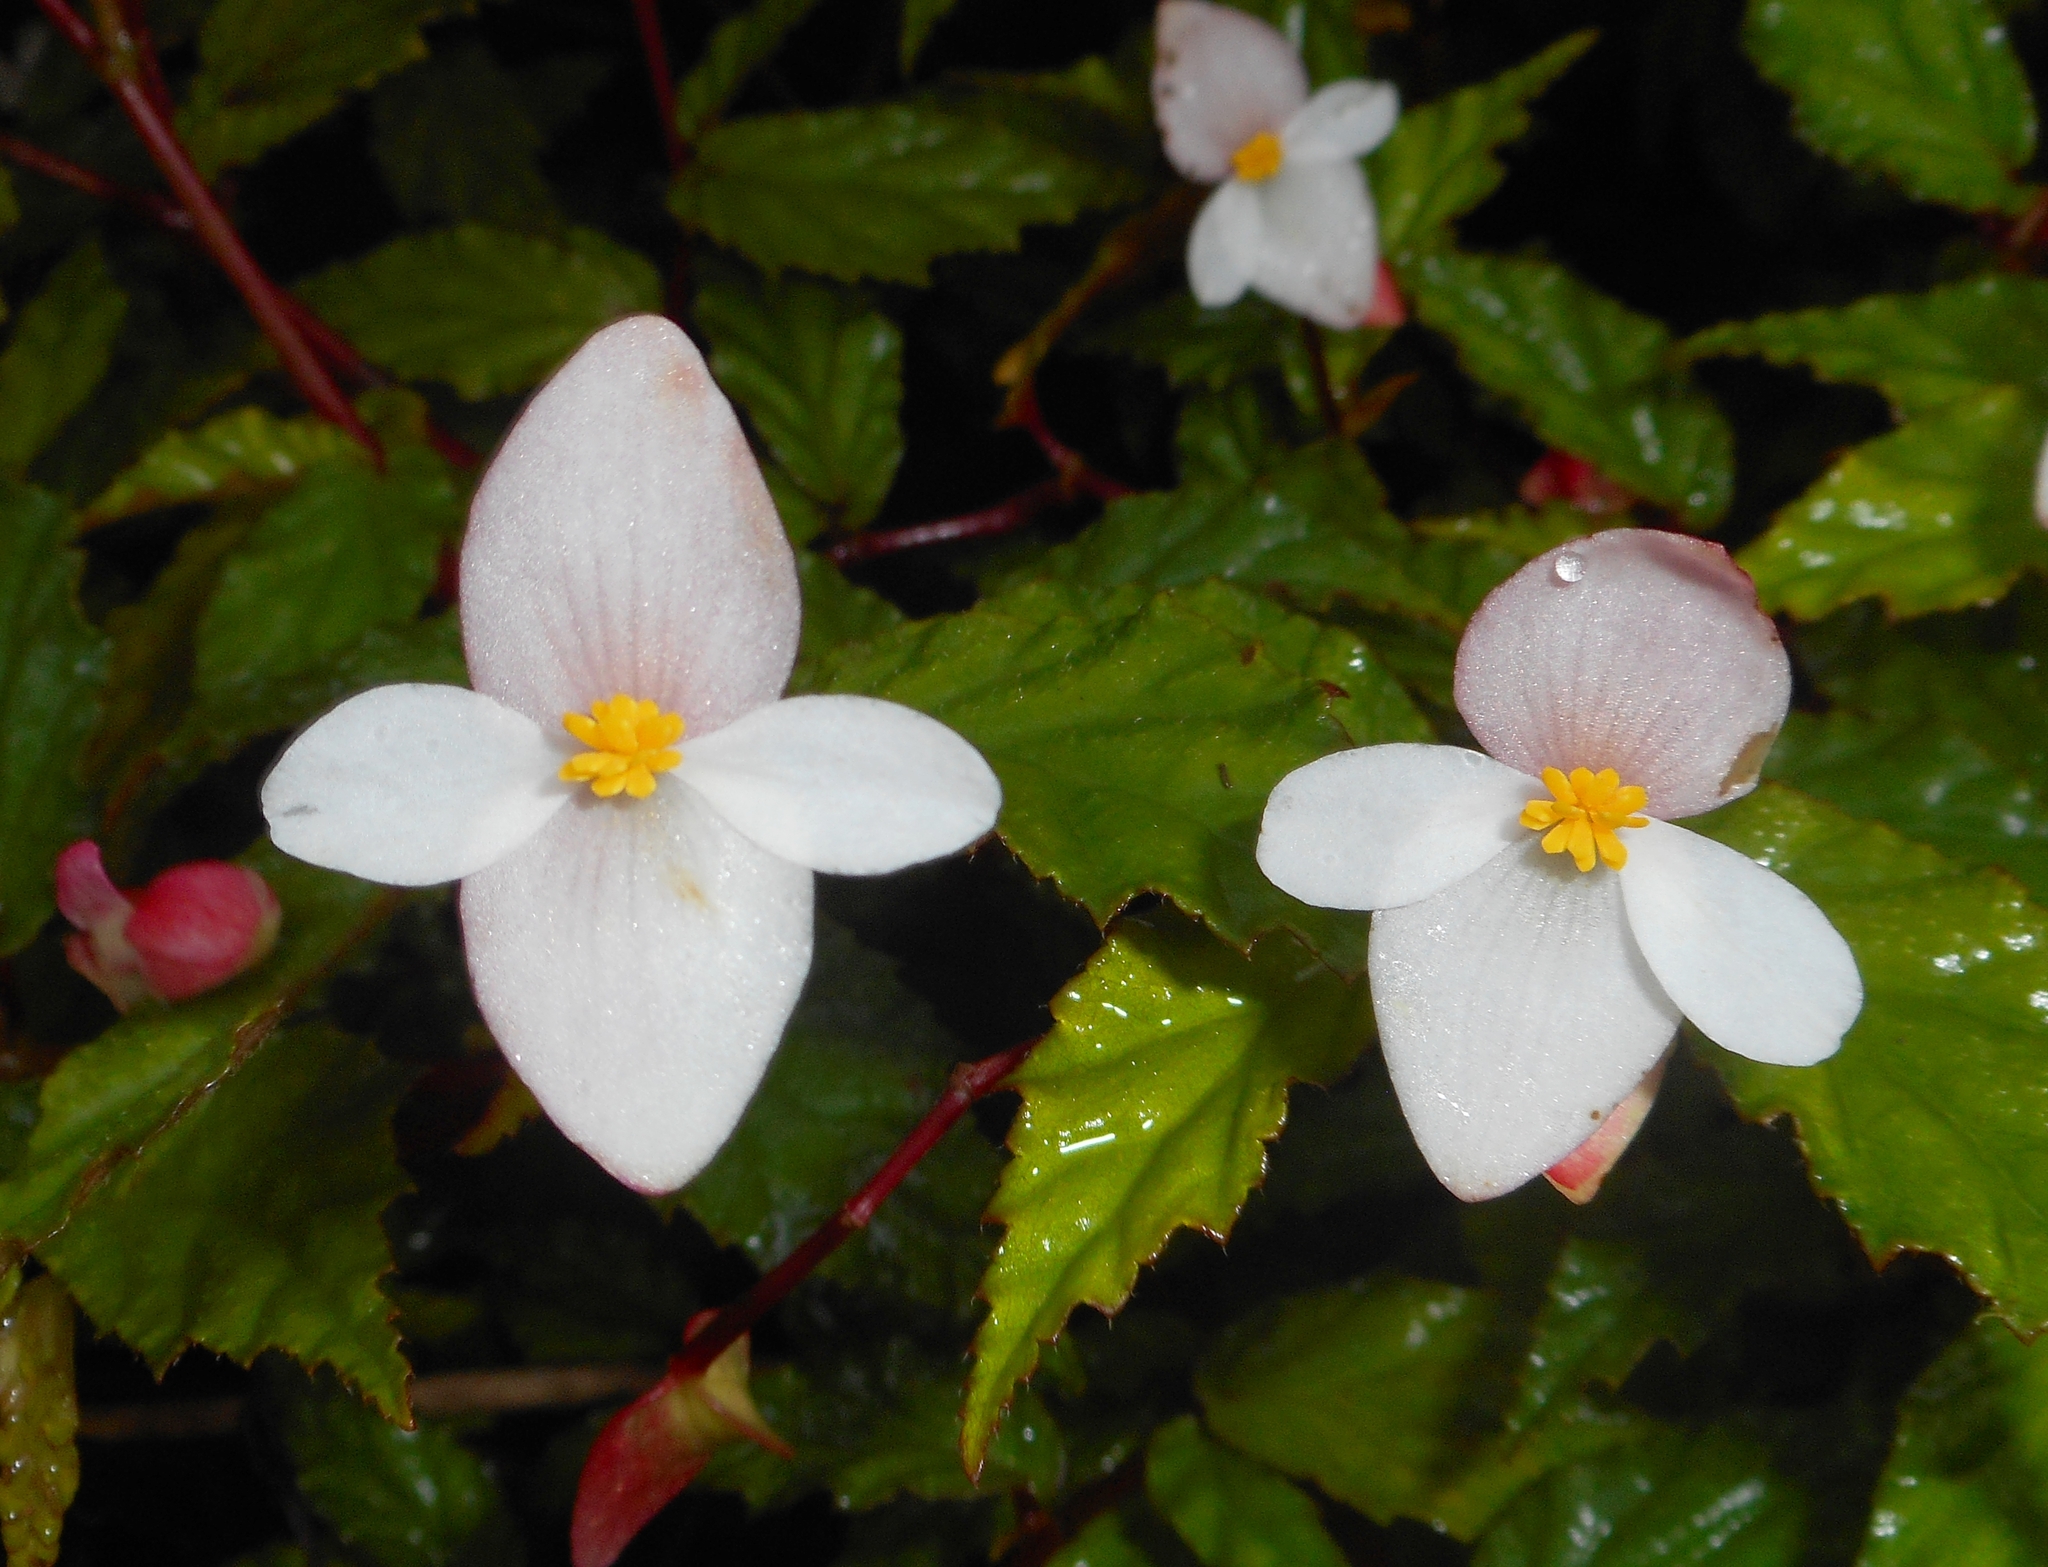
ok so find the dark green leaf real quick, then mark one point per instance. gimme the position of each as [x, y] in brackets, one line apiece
[1146, 1110]
[38, 1420]
[63, 342]
[1231, 1510]
[1104, 1543]
[1927, 91]
[1955, 972]
[883, 190]
[919, 18]
[738, 47]
[253, 1223]
[486, 311]
[835, 611]
[53, 669]
[820, 374]
[249, 451]
[455, 145]
[1592, 376]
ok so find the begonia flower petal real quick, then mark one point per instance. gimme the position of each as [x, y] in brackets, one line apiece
[1636, 650]
[1515, 1012]
[1345, 120]
[2041, 486]
[1318, 242]
[1219, 78]
[623, 541]
[1224, 245]
[846, 784]
[636, 962]
[1389, 824]
[413, 784]
[1745, 954]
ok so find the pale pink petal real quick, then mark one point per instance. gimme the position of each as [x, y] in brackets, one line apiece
[1580, 1173]
[636, 961]
[1515, 1011]
[846, 784]
[623, 541]
[86, 895]
[1746, 955]
[1224, 244]
[1389, 824]
[1219, 78]
[1318, 242]
[1345, 120]
[1636, 650]
[412, 785]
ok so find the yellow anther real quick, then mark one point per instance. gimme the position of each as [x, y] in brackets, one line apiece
[1260, 158]
[1583, 814]
[629, 743]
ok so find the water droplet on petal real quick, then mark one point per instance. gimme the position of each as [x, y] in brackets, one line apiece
[1569, 567]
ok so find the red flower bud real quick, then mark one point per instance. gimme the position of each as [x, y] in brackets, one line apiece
[191, 930]
[1559, 476]
[1387, 308]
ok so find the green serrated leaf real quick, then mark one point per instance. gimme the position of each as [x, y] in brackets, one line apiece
[836, 611]
[883, 190]
[1970, 1460]
[919, 18]
[1955, 970]
[1936, 515]
[249, 451]
[861, 1061]
[1137, 741]
[820, 374]
[738, 47]
[398, 1498]
[38, 1421]
[1146, 1110]
[487, 311]
[1591, 376]
[63, 342]
[53, 670]
[1923, 351]
[270, 68]
[1104, 1543]
[1440, 163]
[1231, 1510]
[456, 145]
[1926, 91]
[109, 1099]
[254, 1222]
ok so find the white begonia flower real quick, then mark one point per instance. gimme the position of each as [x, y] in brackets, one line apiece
[636, 891]
[1534, 944]
[1291, 215]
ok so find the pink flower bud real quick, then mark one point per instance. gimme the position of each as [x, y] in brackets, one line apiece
[1387, 308]
[191, 930]
[1559, 476]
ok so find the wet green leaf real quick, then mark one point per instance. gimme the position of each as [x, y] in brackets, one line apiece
[249, 451]
[1146, 1110]
[1104, 1543]
[1231, 1510]
[739, 46]
[38, 1421]
[456, 145]
[63, 342]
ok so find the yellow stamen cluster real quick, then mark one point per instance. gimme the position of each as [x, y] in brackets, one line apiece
[1582, 817]
[629, 743]
[1260, 158]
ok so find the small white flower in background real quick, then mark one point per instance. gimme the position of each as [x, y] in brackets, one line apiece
[633, 814]
[1534, 944]
[1291, 216]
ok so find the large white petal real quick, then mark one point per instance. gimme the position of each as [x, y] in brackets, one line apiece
[1318, 242]
[1515, 1011]
[1636, 650]
[412, 785]
[637, 961]
[623, 541]
[1219, 77]
[846, 784]
[1744, 953]
[1224, 244]
[1390, 824]
[1344, 120]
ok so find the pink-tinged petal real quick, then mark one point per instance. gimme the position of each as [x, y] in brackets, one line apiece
[1318, 242]
[86, 895]
[1746, 955]
[1515, 1011]
[1387, 825]
[846, 784]
[623, 541]
[200, 924]
[1636, 650]
[637, 960]
[1388, 308]
[1219, 78]
[1579, 1174]
[412, 785]
[1224, 244]
[1345, 120]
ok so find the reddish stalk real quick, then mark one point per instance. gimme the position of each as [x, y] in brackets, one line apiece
[1075, 473]
[1003, 517]
[647, 14]
[1319, 370]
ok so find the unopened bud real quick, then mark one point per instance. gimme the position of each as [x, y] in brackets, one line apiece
[1387, 308]
[1559, 476]
[191, 930]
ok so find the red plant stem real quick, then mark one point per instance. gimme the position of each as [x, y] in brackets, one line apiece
[648, 15]
[1003, 517]
[1075, 474]
[1319, 371]
[73, 27]
[971, 1081]
[48, 164]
